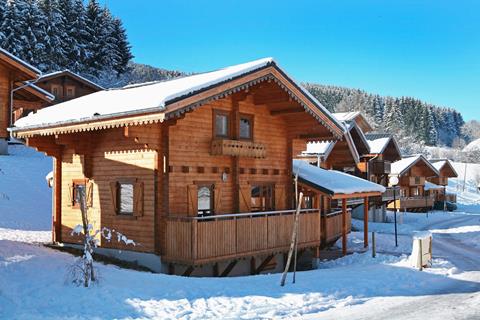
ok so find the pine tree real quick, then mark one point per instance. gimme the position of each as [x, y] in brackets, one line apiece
[122, 49]
[33, 25]
[69, 39]
[54, 56]
[12, 29]
[3, 9]
[95, 40]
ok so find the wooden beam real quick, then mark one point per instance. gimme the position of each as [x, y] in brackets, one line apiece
[252, 266]
[365, 222]
[215, 269]
[188, 272]
[356, 195]
[344, 226]
[57, 200]
[264, 264]
[228, 269]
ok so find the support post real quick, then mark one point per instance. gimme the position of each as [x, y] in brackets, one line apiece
[365, 222]
[374, 249]
[57, 192]
[344, 226]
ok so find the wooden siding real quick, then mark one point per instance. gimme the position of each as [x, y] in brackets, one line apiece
[4, 101]
[333, 223]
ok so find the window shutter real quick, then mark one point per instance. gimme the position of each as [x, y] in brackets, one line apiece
[218, 199]
[113, 190]
[89, 194]
[280, 198]
[245, 198]
[192, 198]
[138, 199]
[70, 195]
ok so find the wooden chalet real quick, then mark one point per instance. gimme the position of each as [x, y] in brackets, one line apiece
[412, 173]
[15, 91]
[354, 116]
[55, 87]
[196, 170]
[445, 170]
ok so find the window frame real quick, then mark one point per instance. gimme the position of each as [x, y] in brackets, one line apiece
[263, 185]
[219, 112]
[119, 182]
[57, 87]
[250, 118]
[73, 91]
[77, 182]
[211, 186]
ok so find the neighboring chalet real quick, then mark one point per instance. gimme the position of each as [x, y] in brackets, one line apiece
[61, 86]
[412, 173]
[446, 170]
[354, 116]
[16, 91]
[197, 170]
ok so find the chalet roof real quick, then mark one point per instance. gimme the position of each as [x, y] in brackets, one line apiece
[332, 182]
[400, 167]
[19, 64]
[68, 73]
[162, 99]
[432, 186]
[378, 142]
[440, 163]
[37, 91]
[322, 148]
[366, 146]
[355, 116]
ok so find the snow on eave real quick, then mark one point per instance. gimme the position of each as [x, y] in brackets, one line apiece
[432, 186]
[173, 90]
[20, 61]
[333, 182]
[362, 136]
[47, 94]
[73, 75]
[326, 153]
[439, 164]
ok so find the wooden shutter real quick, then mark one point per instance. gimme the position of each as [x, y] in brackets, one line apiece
[113, 190]
[245, 198]
[138, 199]
[218, 199]
[89, 194]
[70, 195]
[192, 200]
[280, 197]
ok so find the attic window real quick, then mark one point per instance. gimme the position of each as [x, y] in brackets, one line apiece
[70, 92]
[222, 124]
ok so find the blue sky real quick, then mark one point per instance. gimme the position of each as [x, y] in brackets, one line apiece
[426, 49]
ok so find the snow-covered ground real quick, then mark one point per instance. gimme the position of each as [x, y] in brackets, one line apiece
[33, 278]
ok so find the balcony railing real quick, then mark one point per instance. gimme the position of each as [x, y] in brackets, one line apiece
[198, 240]
[333, 225]
[416, 181]
[388, 194]
[225, 147]
[413, 202]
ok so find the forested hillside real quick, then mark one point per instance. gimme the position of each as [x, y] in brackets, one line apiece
[64, 34]
[410, 119]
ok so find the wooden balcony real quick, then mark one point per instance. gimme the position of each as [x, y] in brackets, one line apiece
[249, 149]
[379, 167]
[200, 240]
[333, 225]
[388, 194]
[406, 203]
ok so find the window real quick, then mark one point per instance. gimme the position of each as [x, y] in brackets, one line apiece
[205, 200]
[125, 198]
[246, 127]
[308, 201]
[262, 198]
[70, 92]
[222, 124]
[56, 90]
[79, 190]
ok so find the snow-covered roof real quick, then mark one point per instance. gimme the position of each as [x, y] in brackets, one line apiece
[432, 186]
[401, 166]
[67, 72]
[346, 116]
[377, 146]
[44, 92]
[151, 97]
[322, 148]
[333, 182]
[20, 61]
[439, 164]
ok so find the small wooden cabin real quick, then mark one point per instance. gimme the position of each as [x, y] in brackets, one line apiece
[196, 170]
[66, 85]
[445, 170]
[412, 173]
[14, 72]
